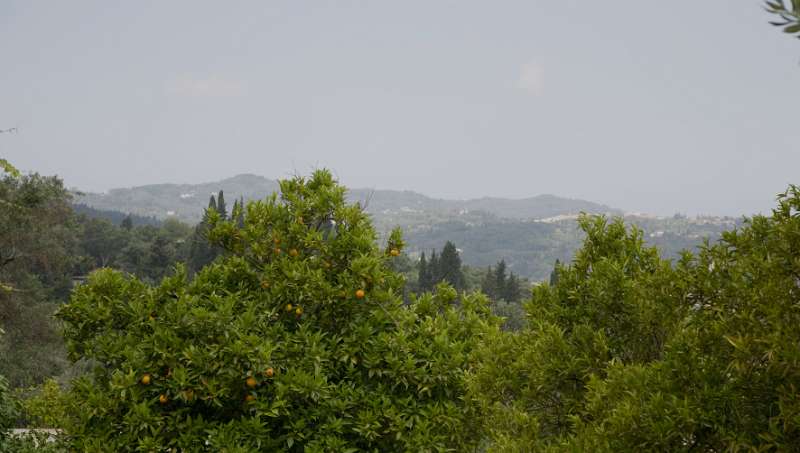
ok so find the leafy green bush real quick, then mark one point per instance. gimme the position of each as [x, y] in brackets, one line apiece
[627, 352]
[46, 406]
[296, 340]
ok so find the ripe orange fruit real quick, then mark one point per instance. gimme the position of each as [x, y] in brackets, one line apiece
[250, 398]
[270, 372]
[146, 379]
[360, 294]
[277, 250]
[163, 399]
[276, 241]
[394, 252]
[251, 382]
[289, 307]
[294, 252]
[299, 311]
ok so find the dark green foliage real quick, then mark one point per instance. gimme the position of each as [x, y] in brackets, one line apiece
[627, 352]
[113, 216]
[500, 279]
[425, 280]
[43, 245]
[441, 268]
[36, 245]
[499, 286]
[102, 242]
[337, 361]
[489, 283]
[147, 251]
[434, 270]
[127, 223]
[8, 410]
[201, 252]
[221, 207]
[450, 267]
[512, 289]
[554, 273]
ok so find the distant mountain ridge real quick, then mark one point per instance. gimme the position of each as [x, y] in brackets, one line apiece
[187, 201]
[529, 234]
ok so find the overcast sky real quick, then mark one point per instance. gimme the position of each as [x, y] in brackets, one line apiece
[646, 105]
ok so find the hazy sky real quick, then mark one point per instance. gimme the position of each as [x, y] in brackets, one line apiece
[661, 106]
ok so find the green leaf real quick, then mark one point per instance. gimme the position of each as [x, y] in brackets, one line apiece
[792, 29]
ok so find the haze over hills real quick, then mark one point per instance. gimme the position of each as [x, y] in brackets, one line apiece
[187, 201]
[530, 234]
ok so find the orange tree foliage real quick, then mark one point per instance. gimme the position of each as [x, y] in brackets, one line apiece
[297, 340]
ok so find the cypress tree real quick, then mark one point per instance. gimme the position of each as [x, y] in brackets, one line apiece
[127, 223]
[512, 289]
[500, 279]
[221, 208]
[434, 270]
[450, 266]
[424, 275]
[554, 273]
[488, 284]
[201, 252]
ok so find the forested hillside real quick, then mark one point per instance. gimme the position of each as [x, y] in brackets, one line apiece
[529, 234]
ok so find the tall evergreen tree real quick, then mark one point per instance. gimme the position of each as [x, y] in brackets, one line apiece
[500, 278]
[554, 273]
[239, 212]
[512, 289]
[127, 223]
[201, 252]
[424, 274]
[221, 207]
[450, 266]
[488, 284]
[434, 270]
[160, 257]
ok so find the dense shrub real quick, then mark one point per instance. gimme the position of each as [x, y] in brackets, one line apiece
[627, 352]
[296, 340]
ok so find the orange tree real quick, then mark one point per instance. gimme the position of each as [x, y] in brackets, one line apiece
[297, 340]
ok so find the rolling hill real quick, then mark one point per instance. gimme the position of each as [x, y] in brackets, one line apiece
[530, 234]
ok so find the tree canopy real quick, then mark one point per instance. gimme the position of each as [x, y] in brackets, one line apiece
[297, 339]
[627, 351]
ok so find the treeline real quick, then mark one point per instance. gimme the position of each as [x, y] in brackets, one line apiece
[444, 267]
[48, 245]
[300, 315]
[115, 217]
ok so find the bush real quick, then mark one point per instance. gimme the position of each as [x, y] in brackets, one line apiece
[628, 352]
[296, 340]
